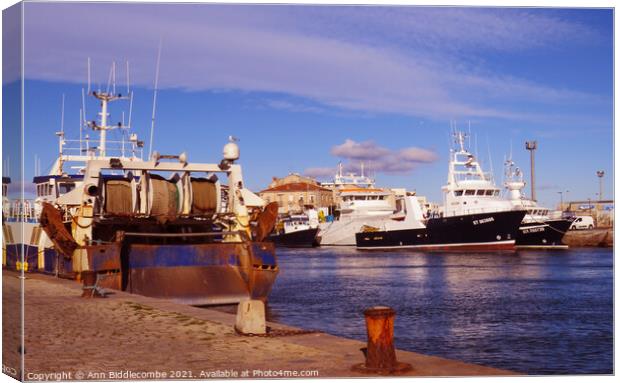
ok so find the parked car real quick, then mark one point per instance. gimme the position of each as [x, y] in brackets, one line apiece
[582, 223]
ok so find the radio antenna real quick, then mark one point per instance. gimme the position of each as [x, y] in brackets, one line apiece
[81, 121]
[62, 114]
[114, 77]
[490, 159]
[83, 107]
[88, 71]
[130, 108]
[155, 99]
[107, 90]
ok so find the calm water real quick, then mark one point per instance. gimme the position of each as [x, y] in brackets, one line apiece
[535, 312]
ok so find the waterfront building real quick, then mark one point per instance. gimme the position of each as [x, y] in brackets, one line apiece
[295, 192]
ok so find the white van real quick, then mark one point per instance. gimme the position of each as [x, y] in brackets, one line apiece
[582, 222]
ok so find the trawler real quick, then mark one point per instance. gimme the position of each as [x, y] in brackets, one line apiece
[163, 227]
[538, 229]
[474, 216]
[297, 230]
[360, 204]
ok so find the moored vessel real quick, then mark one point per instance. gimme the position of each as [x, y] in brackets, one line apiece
[163, 227]
[537, 230]
[298, 230]
[360, 203]
[474, 216]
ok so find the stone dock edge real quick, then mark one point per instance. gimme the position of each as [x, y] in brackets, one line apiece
[105, 336]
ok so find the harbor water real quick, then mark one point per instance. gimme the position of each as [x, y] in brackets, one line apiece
[533, 312]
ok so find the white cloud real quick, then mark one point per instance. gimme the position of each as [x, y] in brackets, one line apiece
[347, 59]
[367, 150]
[379, 159]
[417, 155]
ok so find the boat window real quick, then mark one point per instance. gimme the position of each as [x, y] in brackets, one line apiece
[470, 192]
[381, 197]
[496, 193]
[458, 193]
[489, 192]
[480, 192]
[360, 198]
[64, 188]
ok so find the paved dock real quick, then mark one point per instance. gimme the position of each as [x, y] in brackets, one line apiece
[125, 336]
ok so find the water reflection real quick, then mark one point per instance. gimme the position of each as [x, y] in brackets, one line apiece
[534, 312]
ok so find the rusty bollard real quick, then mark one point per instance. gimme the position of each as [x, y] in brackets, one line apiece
[89, 285]
[380, 353]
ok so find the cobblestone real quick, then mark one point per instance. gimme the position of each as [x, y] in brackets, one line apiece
[124, 332]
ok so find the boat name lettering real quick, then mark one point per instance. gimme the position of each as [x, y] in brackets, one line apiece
[483, 220]
[533, 230]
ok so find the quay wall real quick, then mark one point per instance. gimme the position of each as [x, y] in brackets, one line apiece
[600, 237]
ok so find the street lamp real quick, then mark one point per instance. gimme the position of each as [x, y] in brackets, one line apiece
[561, 193]
[532, 146]
[600, 174]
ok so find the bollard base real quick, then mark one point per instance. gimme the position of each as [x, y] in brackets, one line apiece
[91, 293]
[250, 318]
[400, 368]
[90, 288]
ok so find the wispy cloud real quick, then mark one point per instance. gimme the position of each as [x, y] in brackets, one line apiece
[463, 28]
[293, 107]
[376, 158]
[367, 150]
[372, 59]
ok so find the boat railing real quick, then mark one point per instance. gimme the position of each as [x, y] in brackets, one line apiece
[123, 148]
[481, 210]
[460, 176]
[22, 210]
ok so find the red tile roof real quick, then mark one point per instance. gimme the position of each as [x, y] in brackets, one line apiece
[296, 187]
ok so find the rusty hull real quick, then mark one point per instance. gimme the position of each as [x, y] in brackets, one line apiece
[201, 274]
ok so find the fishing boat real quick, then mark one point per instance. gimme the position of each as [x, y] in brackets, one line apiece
[163, 227]
[360, 203]
[298, 230]
[537, 230]
[474, 216]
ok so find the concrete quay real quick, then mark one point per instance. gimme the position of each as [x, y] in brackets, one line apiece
[125, 336]
[600, 237]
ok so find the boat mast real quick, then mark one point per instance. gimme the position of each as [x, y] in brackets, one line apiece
[103, 127]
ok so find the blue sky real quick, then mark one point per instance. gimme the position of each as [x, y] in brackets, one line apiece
[304, 87]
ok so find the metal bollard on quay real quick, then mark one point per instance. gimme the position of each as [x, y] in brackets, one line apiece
[89, 285]
[380, 352]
